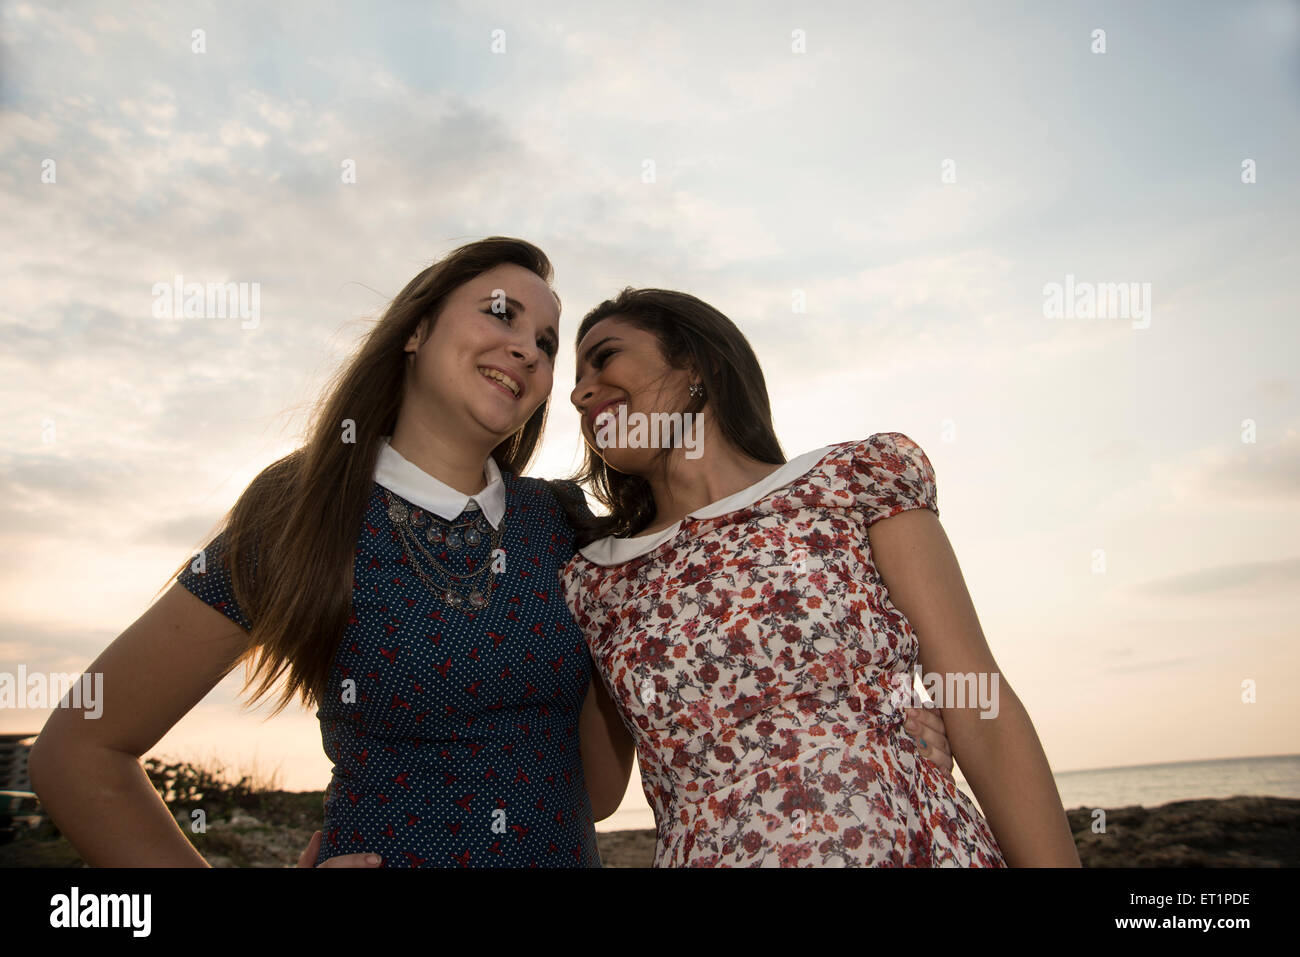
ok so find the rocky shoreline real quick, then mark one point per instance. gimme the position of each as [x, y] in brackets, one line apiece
[1230, 832]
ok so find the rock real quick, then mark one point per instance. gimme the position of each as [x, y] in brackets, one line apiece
[1230, 832]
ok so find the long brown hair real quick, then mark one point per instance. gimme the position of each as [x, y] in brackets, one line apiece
[291, 537]
[692, 335]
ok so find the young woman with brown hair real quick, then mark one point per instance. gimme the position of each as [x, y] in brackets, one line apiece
[757, 621]
[400, 573]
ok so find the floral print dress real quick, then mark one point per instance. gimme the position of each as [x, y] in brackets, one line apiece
[751, 651]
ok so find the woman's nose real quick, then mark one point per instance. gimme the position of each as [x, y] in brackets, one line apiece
[579, 395]
[524, 354]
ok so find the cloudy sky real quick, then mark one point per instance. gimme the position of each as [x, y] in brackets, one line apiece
[1121, 490]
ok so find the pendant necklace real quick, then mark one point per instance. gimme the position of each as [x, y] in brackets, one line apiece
[415, 526]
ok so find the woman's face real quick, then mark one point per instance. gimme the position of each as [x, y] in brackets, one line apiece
[503, 324]
[620, 364]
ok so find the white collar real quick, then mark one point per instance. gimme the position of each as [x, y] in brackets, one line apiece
[395, 473]
[616, 551]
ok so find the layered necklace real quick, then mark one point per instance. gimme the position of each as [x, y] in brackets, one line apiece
[415, 527]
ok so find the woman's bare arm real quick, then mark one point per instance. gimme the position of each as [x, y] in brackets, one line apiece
[1001, 757]
[87, 772]
[607, 750]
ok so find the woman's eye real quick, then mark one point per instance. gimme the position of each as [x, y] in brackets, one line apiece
[602, 357]
[549, 347]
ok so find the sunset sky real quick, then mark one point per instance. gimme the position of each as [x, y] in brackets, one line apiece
[918, 175]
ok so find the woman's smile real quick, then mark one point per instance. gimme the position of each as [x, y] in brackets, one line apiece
[503, 381]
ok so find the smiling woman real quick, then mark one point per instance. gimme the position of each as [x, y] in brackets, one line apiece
[421, 617]
[469, 374]
[751, 620]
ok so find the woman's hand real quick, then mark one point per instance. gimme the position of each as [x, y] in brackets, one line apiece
[343, 860]
[927, 727]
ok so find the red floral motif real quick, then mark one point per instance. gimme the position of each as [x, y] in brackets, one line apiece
[771, 739]
[691, 574]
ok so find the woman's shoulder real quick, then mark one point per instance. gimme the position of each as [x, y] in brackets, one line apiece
[879, 445]
[563, 499]
[886, 472]
[559, 489]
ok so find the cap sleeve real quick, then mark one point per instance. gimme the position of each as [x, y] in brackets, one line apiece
[892, 474]
[207, 577]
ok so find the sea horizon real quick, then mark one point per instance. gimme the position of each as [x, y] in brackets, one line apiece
[1162, 764]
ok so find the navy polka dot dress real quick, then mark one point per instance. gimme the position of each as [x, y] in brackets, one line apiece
[454, 731]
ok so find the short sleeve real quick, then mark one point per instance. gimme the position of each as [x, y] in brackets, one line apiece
[207, 577]
[892, 474]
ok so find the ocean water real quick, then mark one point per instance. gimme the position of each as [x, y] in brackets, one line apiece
[1145, 784]
[1152, 784]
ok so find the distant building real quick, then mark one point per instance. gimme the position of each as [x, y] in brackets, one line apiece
[14, 749]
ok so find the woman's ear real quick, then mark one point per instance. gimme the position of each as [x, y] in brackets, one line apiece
[413, 343]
